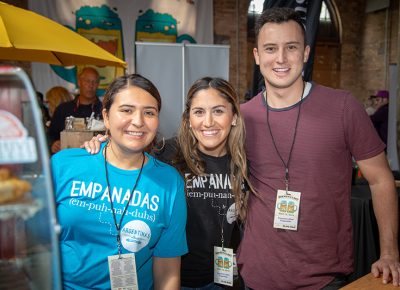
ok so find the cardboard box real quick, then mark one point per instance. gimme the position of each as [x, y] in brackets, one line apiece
[74, 139]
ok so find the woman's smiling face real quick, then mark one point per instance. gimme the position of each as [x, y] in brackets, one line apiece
[132, 119]
[211, 118]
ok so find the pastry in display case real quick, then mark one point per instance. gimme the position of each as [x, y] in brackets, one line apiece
[29, 253]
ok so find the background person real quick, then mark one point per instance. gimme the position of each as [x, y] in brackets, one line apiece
[121, 200]
[56, 96]
[380, 117]
[44, 110]
[370, 105]
[300, 141]
[83, 106]
[211, 128]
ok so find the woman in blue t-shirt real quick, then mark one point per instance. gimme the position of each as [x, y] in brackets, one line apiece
[122, 212]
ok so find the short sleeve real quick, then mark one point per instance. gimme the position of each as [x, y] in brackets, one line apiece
[54, 164]
[360, 134]
[172, 242]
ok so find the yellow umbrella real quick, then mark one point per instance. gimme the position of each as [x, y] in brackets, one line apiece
[28, 36]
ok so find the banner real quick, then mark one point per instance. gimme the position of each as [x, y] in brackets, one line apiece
[310, 11]
[116, 25]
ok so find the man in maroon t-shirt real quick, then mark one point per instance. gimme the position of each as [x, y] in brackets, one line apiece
[301, 138]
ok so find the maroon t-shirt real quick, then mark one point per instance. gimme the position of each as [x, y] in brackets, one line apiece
[333, 127]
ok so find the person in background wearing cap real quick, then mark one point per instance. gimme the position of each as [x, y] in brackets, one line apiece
[380, 117]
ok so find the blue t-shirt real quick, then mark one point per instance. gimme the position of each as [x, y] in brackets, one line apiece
[154, 223]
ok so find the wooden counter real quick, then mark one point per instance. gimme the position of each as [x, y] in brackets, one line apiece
[369, 282]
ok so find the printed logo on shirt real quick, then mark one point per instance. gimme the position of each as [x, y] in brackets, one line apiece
[212, 186]
[135, 235]
[142, 205]
[118, 195]
[231, 214]
[211, 181]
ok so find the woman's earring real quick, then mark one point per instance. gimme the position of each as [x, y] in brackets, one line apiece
[234, 123]
[159, 146]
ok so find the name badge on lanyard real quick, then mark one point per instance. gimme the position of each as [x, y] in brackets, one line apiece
[223, 266]
[287, 210]
[123, 272]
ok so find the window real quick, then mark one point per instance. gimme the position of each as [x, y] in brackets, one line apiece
[325, 15]
[256, 7]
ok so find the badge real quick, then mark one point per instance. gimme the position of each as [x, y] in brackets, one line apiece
[123, 272]
[287, 210]
[223, 266]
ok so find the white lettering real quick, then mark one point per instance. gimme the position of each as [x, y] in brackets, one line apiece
[197, 182]
[154, 202]
[105, 195]
[75, 188]
[86, 191]
[116, 195]
[145, 201]
[136, 198]
[96, 189]
[119, 195]
[126, 196]
[188, 180]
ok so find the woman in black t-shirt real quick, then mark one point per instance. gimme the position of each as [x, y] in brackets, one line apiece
[209, 153]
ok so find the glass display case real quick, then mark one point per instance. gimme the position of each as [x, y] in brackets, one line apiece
[29, 253]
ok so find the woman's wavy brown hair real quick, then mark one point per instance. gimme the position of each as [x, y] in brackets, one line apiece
[234, 145]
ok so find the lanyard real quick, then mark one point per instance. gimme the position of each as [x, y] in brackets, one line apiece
[118, 226]
[224, 213]
[285, 164]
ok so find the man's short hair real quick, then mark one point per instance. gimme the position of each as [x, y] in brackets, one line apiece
[279, 15]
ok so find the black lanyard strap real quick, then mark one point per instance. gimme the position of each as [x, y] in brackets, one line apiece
[285, 164]
[223, 216]
[118, 225]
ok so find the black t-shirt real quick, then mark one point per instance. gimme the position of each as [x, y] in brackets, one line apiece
[210, 204]
[71, 109]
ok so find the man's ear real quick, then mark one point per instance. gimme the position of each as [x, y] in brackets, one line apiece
[306, 53]
[256, 56]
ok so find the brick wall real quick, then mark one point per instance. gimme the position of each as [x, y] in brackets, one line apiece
[373, 41]
[230, 28]
[379, 47]
[362, 58]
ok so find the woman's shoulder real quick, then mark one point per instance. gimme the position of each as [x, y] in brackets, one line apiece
[72, 156]
[163, 170]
